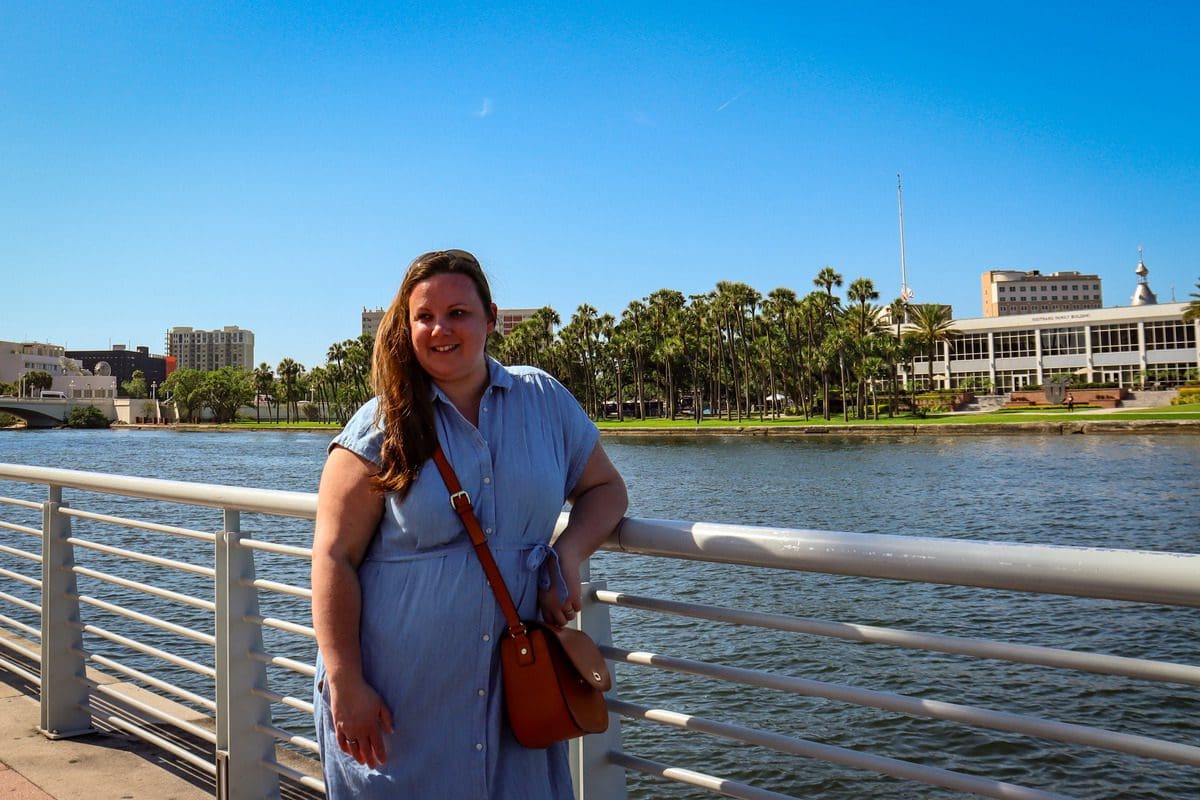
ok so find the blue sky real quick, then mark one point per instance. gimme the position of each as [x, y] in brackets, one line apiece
[276, 166]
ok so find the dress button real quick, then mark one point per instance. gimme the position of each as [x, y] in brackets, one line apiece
[482, 692]
[478, 746]
[487, 530]
[487, 637]
[487, 480]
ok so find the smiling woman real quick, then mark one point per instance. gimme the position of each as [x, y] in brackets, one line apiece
[407, 699]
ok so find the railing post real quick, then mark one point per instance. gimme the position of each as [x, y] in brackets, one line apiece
[594, 775]
[243, 751]
[64, 705]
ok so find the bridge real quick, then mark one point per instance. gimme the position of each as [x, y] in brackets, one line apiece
[50, 412]
[220, 680]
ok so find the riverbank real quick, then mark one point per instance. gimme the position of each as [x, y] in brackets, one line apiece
[1099, 424]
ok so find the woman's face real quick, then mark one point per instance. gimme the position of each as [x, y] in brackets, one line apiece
[450, 326]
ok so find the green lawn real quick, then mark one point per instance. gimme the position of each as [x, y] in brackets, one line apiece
[1191, 411]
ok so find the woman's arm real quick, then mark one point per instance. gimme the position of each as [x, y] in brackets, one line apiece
[598, 503]
[348, 513]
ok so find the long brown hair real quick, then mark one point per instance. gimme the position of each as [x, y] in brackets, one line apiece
[403, 386]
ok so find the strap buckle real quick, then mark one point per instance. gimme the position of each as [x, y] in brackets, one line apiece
[460, 493]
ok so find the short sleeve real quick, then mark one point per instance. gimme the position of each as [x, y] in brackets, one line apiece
[579, 433]
[361, 435]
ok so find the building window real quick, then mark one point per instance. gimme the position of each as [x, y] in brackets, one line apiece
[1120, 338]
[970, 346]
[1015, 344]
[1170, 335]
[1062, 341]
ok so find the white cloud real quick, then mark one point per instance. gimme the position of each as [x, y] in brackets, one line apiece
[485, 110]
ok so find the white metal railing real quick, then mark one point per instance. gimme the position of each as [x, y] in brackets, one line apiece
[223, 684]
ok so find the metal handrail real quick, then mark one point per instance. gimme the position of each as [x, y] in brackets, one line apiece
[1159, 578]
[236, 498]
[1109, 573]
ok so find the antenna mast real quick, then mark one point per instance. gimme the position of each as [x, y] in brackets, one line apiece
[905, 293]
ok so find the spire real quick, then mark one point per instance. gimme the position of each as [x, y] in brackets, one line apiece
[1142, 295]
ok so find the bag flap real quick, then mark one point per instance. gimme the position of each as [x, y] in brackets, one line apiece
[584, 654]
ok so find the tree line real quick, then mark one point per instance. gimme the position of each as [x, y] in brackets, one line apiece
[290, 391]
[736, 353]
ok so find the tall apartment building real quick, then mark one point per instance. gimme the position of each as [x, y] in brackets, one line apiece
[1007, 292]
[509, 318]
[371, 320]
[506, 319]
[210, 350]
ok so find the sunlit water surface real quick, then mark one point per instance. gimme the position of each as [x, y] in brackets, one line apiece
[1137, 492]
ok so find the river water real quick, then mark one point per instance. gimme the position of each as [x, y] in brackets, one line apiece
[1123, 491]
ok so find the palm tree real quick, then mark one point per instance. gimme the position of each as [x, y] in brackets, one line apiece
[631, 318]
[864, 325]
[663, 307]
[264, 381]
[933, 325]
[289, 374]
[1193, 307]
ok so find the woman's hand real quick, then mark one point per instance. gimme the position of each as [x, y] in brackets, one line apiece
[360, 719]
[559, 613]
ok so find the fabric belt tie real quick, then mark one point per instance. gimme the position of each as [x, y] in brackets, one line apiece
[544, 559]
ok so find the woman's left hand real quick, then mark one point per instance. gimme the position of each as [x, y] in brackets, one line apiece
[558, 613]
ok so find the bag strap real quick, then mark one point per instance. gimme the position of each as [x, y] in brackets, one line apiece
[461, 501]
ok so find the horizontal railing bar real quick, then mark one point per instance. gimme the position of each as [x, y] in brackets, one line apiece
[170, 658]
[13, 501]
[296, 775]
[133, 555]
[281, 588]
[25, 529]
[1136, 575]
[136, 730]
[1143, 746]
[742, 791]
[281, 625]
[286, 700]
[189, 533]
[32, 655]
[28, 630]
[275, 547]
[288, 737]
[108, 690]
[896, 768]
[18, 601]
[262, 501]
[287, 663]
[195, 602]
[17, 669]
[130, 672]
[206, 638]
[1100, 663]
[12, 551]
[16, 576]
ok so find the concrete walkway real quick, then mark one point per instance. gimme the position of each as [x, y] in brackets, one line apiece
[99, 766]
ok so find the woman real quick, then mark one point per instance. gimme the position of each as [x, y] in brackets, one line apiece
[408, 694]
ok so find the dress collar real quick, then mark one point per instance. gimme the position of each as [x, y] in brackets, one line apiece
[498, 378]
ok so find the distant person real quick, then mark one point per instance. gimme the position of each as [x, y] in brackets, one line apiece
[1070, 401]
[408, 700]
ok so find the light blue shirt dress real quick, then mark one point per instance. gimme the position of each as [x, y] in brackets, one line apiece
[430, 623]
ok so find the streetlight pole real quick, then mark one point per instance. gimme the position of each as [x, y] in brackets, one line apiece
[154, 397]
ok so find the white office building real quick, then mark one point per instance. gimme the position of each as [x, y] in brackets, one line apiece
[18, 359]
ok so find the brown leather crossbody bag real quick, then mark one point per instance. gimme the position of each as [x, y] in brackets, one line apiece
[554, 678]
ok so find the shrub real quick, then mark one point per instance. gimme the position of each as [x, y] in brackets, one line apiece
[87, 417]
[1187, 395]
